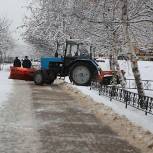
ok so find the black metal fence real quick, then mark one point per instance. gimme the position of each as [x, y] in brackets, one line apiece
[143, 103]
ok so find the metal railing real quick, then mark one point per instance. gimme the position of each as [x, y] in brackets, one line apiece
[147, 84]
[143, 103]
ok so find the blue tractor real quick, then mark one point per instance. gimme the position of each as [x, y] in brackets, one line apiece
[76, 62]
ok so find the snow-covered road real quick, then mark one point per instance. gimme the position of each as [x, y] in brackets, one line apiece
[48, 119]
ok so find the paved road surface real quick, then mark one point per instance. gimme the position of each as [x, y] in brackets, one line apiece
[49, 120]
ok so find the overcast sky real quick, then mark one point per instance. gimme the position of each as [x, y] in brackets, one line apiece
[15, 11]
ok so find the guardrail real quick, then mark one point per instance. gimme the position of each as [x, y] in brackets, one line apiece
[147, 84]
[143, 103]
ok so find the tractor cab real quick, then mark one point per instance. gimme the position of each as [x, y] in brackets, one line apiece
[78, 49]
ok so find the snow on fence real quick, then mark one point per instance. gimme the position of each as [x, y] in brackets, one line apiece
[143, 103]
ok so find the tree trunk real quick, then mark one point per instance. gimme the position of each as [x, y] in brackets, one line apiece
[116, 64]
[134, 62]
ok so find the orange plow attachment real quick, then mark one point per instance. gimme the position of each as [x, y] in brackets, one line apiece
[105, 77]
[103, 74]
[19, 73]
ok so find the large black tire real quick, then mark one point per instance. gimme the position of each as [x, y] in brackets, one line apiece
[38, 78]
[80, 74]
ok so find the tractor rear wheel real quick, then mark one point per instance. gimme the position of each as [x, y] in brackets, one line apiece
[80, 74]
[38, 78]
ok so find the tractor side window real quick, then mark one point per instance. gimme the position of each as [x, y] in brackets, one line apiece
[73, 50]
[60, 53]
[84, 51]
[68, 50]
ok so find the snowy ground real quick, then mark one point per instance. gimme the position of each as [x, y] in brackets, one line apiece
[50, 119]
[5, 84]
[118, 122]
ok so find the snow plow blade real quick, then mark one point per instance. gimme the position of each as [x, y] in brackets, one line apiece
[19, 73]
[105, 77]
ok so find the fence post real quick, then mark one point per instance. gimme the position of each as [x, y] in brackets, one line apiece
[100, 89]
[146, 103]
[125, 93]
[112, 92]
[90, 85]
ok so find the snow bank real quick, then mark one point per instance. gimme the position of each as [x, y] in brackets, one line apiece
[5, 84]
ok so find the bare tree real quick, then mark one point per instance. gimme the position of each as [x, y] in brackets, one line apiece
[6, 40]
[111, 25]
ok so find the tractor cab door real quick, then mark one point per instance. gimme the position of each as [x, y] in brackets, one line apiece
[71, 54]
[68, 60]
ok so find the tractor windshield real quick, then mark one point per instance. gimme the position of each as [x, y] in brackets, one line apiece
[74, 48]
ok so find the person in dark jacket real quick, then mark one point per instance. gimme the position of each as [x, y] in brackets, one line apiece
[17, 62]
[26, 63]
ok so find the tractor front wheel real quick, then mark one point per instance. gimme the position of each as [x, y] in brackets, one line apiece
[80, 74]
[38, 78]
